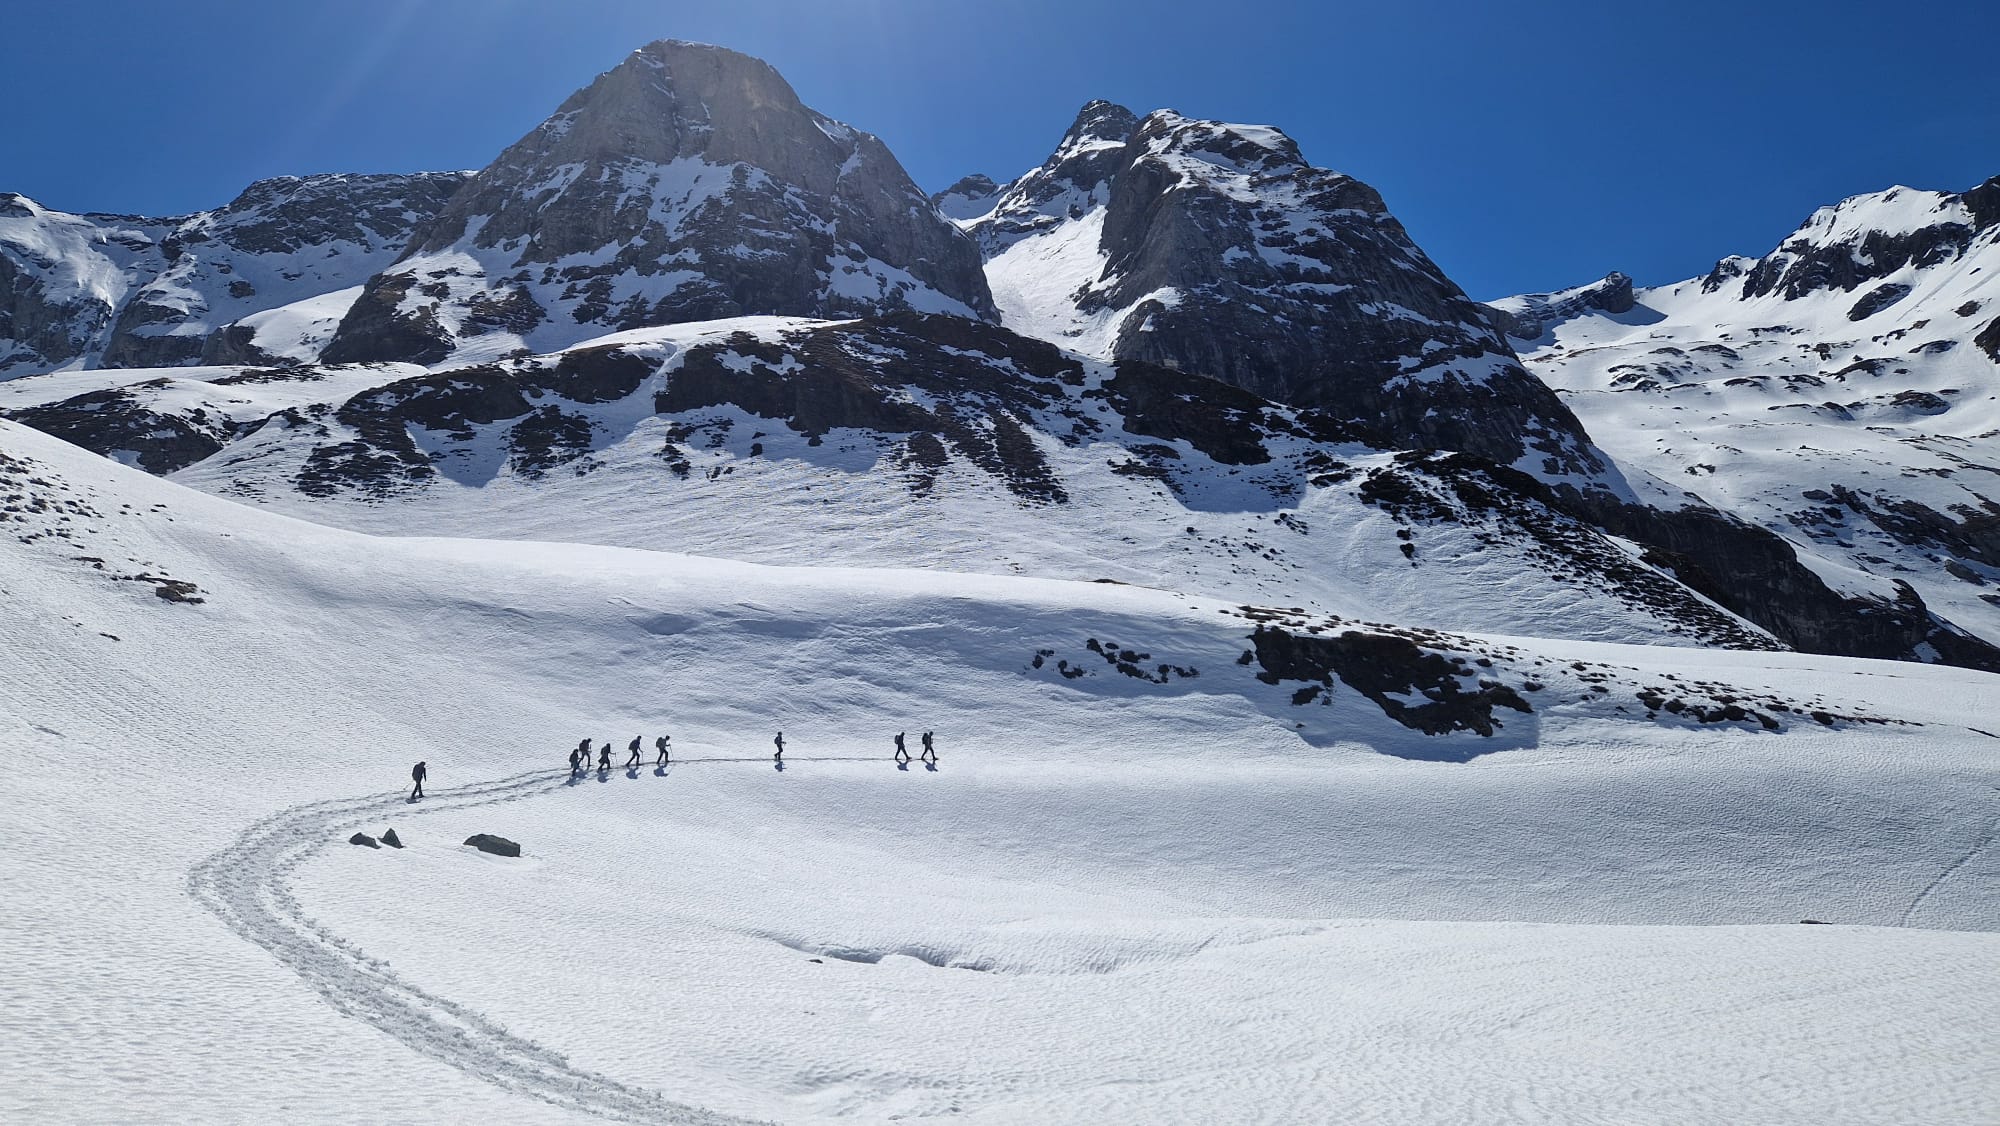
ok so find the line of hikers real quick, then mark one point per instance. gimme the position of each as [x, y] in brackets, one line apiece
[579, 759]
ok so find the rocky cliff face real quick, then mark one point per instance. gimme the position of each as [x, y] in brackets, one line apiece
[688, 183]
[111, 291]
[1215, 248]
[63, 279]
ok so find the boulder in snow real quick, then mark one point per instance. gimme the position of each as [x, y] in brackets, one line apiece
[498, 846]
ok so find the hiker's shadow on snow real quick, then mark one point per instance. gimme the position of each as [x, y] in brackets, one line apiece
[632, 772]
[603, 774]
[904, 766]
[931, 766]
[575, 778]
[660, 771]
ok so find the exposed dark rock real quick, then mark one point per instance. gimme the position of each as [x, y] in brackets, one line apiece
[234, 345]
[1393, 672]
[1923, 402]
[498, 846]
[1756, 574]
[1878, 299]
[1969, 531]
[547, 438]
[857, 376]
[1988, 340]
[175, 590]
[118, 420]
[376, 328]
[364, 839]
[390, 838]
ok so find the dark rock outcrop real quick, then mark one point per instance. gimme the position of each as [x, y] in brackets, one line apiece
[390, 838]
[364, 839]
[1878, 299]
[1417, 688]
[119, 421]
[498, 846]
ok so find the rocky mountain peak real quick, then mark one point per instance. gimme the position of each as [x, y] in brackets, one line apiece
[687, 183]
[967, 198]
[1866, 238]
[1530, 315]
[1099, 123]
[1214, 248]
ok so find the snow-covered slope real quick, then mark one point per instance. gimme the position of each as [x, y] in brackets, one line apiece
[111, 291]
[1843, 390]
[920, 442]
[1181, 858]
[686, 184]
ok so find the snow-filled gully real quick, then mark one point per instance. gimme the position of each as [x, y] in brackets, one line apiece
[246, 885]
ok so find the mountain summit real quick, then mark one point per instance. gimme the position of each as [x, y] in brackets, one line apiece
[688, 183]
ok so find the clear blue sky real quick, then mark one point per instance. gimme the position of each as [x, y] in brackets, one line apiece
[1526, 145]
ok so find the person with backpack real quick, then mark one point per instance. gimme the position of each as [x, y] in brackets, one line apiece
[604, 756]
[666, 752]
[417, 774]
[902, 753]
[930, 751]
[578, 756]
[583, 752]
[633, 762]
[780, 742]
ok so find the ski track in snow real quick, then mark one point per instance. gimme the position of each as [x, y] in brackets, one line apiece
[246, 885]
[1980, 845]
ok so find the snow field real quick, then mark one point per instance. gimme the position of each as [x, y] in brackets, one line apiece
[1111, 902]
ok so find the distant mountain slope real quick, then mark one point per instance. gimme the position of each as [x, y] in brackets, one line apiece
[903, 440]
[1843, 390]
[112, 291]
[686, 184]
[1222, 369]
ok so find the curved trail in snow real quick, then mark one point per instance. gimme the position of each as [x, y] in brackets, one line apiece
[247, 885]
